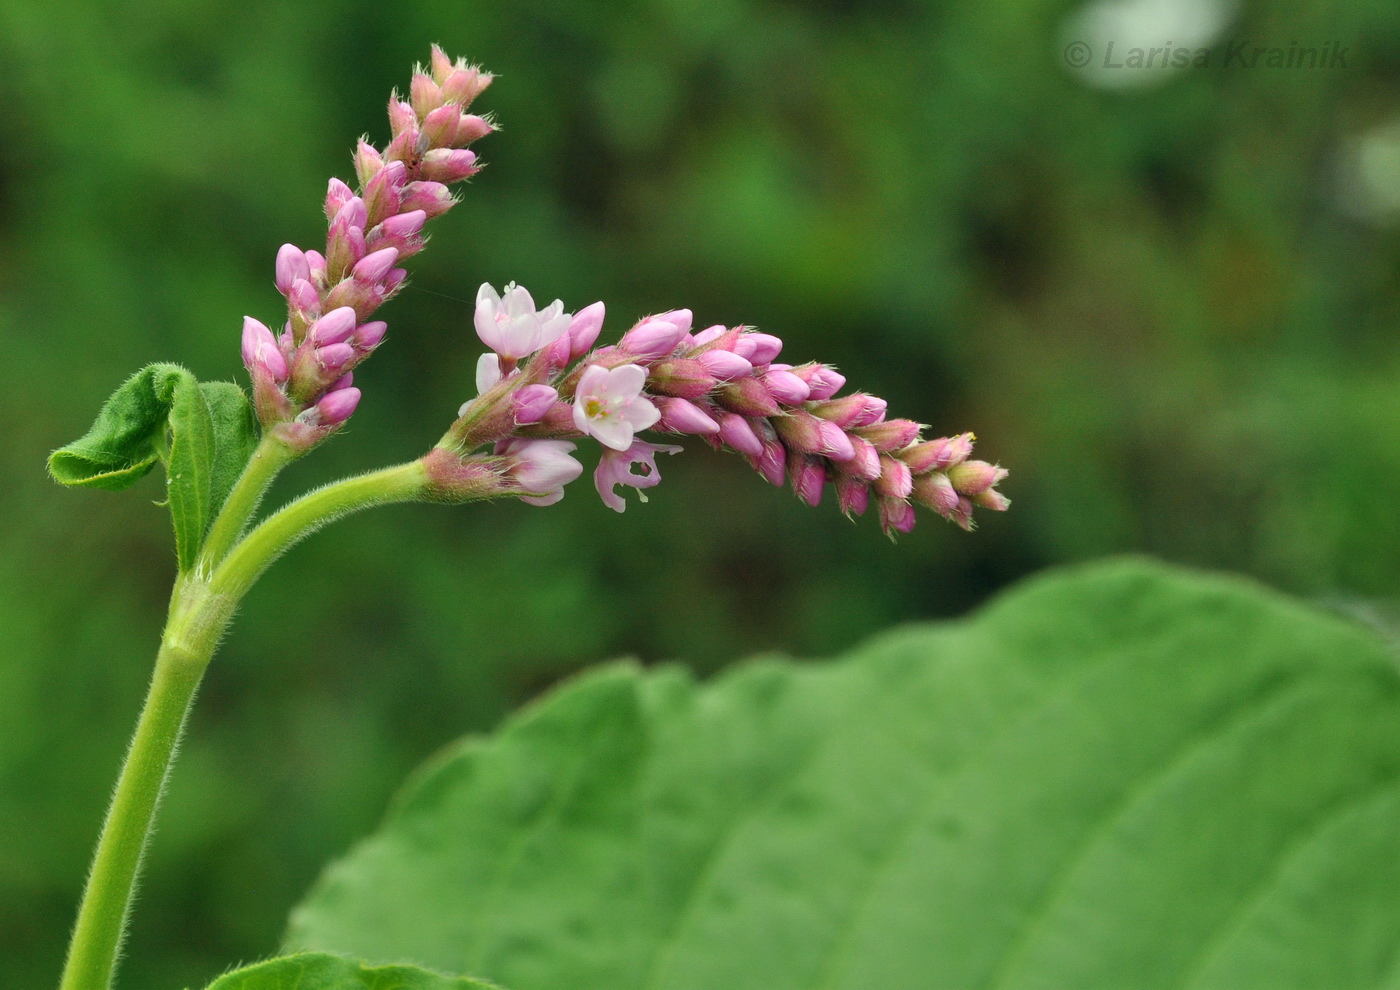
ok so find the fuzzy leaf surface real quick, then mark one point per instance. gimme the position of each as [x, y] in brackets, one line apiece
[1115, 776]
[203, 434]
[319, 971]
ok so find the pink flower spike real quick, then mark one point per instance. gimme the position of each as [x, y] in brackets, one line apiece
[368, 335]
[448, 165]
[736, 431]
[512, 327]
[333, 328]
[765, 347]
[786, 387]
[260, 352]
[615, 468]
[725, 365]
[532, 403]
[291, 265]
[542, 466]
[337, 406]
[337, 195]
[584, 329]
[374, 266]
[653, 338]
[683, 416]
[609, 405]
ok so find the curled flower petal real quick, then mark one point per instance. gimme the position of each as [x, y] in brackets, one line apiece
[615, 468]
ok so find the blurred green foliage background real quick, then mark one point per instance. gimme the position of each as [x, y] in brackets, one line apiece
[1162, 307]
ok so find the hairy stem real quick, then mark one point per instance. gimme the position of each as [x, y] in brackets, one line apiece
[200, 611]
[299, 519]
[270, 457]
[197, 619]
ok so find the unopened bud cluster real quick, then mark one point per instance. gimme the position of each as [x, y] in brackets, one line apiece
[303, 376]
[544, 383]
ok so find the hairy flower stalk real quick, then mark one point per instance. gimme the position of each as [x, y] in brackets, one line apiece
[544, 381]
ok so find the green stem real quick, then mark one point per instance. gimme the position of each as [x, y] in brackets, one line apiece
[200, 611]
[270, 457]
[299, 519]
[197, 620]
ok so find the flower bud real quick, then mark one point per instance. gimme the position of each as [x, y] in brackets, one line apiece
[974, 477]
[786, 387]
[683, 377]
[317, 262]
[368, 335]
[824, 381]
[992, 499]
[851, 411]
[532, 403]
[891, 435]
[896, 515]
[772, 463]
[401, 116]
[433, 198]
[765, 347]
[260, 353]
[724, 365]
[735, 431]
[962, 514]
[337, 195]
[333, 358]
[808, 477]
[440, 126]
[448, 165]
[374, 266]
[584, 329]
[895, 481]
[368, 162]
[441, 65]
[424, 94]
[488, 372]
[333, 328]
[710, 335]
[471, 128]
[803, 432]
[291, 265]
[464, 85]
[935, 455]
[852, 495]
[747, 396]
[865, 464]
[683, 416]
[384, 192]
[653, 338]
[336, 406]
[935, 491]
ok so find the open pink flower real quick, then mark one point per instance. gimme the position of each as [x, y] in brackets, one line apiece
[615, 468]
[609, 405]
[512, 327]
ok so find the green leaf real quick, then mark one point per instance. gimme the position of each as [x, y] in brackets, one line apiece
[317, 971]
[203, 434]
[1121, 776]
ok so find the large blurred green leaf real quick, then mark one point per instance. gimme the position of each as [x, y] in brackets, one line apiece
[1116, 776]
[202, 433]
[317, 971]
